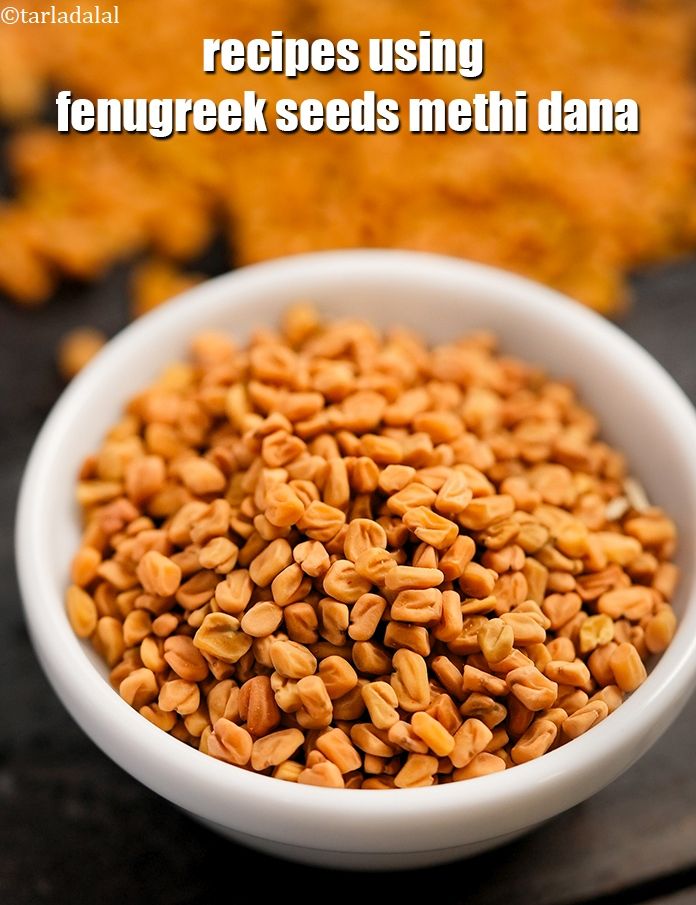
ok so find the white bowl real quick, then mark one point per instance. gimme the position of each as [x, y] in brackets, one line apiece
[641, 410]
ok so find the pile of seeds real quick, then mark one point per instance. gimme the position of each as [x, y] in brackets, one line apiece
[575, 211]
[351, 560]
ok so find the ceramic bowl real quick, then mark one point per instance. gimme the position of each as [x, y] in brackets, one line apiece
[641, 410]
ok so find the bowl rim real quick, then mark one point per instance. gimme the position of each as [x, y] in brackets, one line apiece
[201, 780]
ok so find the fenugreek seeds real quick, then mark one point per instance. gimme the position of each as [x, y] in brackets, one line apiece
[350, 560]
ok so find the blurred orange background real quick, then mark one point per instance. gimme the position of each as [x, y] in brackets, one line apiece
[575, 211]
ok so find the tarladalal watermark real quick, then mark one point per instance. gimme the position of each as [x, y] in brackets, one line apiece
[55, 15]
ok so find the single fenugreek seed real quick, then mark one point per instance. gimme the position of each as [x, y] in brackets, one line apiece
[496, 639]
[433, 733]
[629, 670]
[230, 743]
[82, 611]
[272, 750]
[221, 636]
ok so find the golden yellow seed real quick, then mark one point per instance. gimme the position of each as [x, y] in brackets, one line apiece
[230, 743]
[77, 348]
[84, 566]
[418, 770]
[433, 733]
[496, 639]
[82, 611]
[202, 476]
[627, 667]
[381, 702]
[324, 774]
[660, 629]
[481, 765]
[158, 574]
[275, 748]
[222, 636]
[536, 741]
[292, 660]
[595, 631]
[139, 688]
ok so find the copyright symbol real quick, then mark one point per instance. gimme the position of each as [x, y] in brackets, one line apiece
[9, 15]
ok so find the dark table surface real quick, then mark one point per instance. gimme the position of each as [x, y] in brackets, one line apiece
[75, 829]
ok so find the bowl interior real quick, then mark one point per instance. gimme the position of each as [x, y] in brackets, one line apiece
[568, 341]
